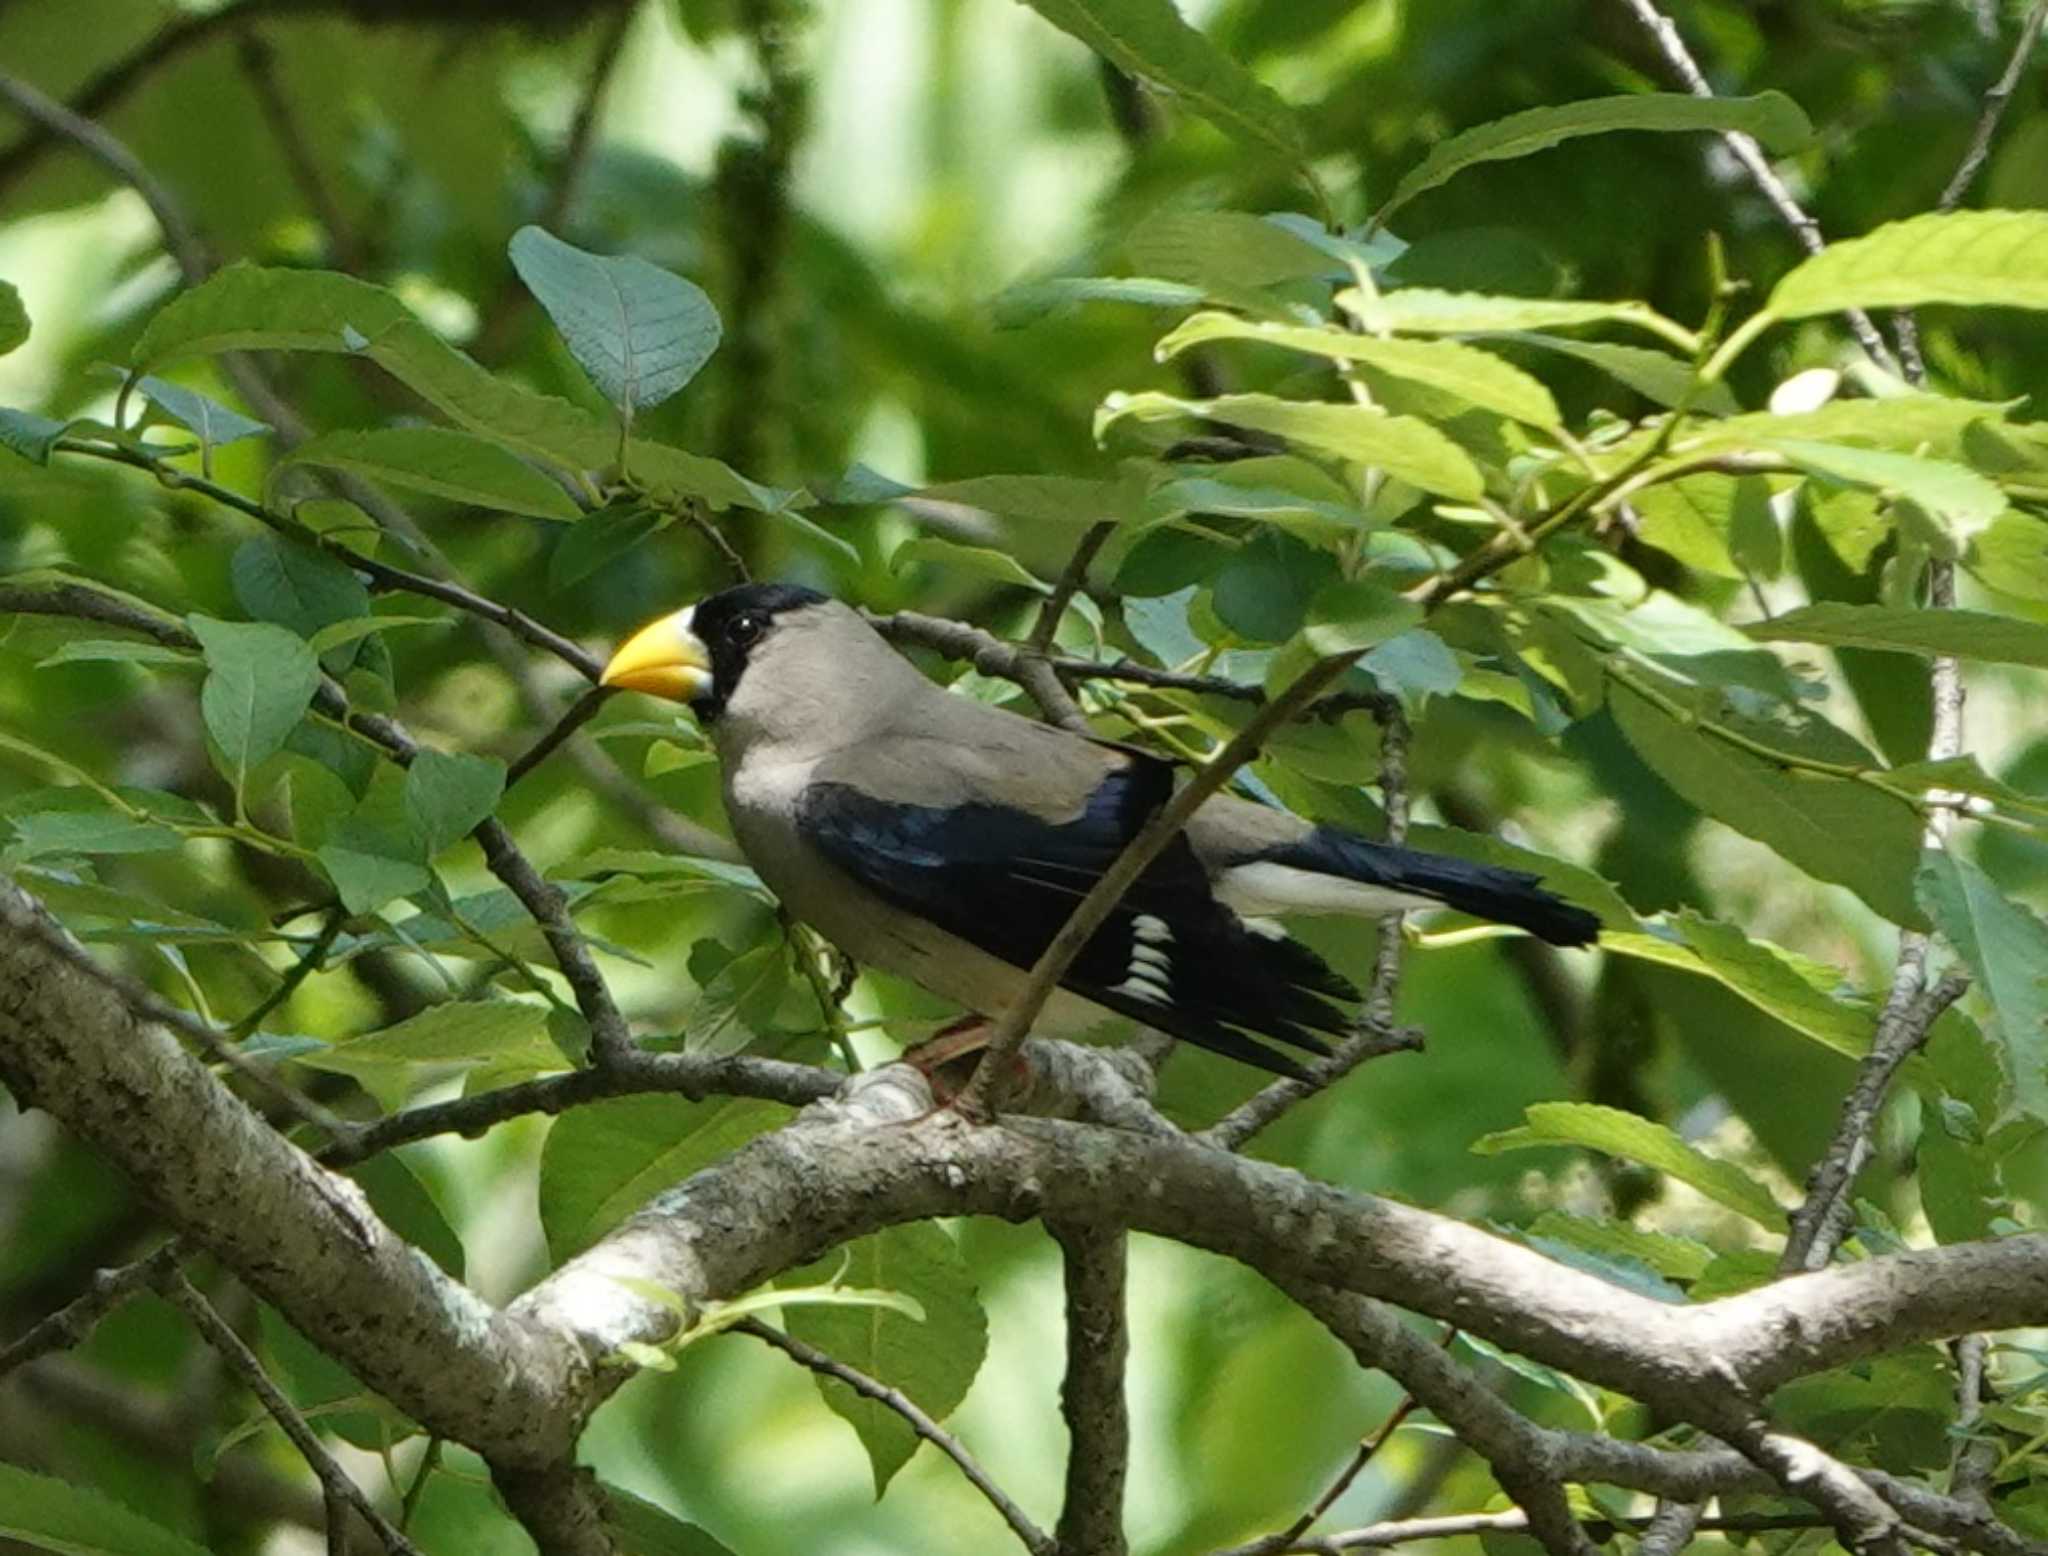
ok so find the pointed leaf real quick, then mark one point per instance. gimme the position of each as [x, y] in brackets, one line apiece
[1041, 499]
[29, 435]
[932, 1362]
[1771, 117]
[1471, 375]
[601, 538]
[1655, 375]
[214, 423]
[446, 796]
[639, 1528]
[1034, 300]
[1964, 501]
[1147, 38]
[603, 1162]
[985, 560]
[640, 332]
[254, 308]
[2006, 948]
[1422, 310]
[1404, 447]
[443, 463]
[1975, 258]
[1834, 828]
[1629, 1135]
[53, 1515]
[1967, 634]
[259, 681]
[295, 586]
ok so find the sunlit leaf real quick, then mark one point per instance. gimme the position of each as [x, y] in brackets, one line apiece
[1975, 258]
[1619, 1133]
[1968, 634]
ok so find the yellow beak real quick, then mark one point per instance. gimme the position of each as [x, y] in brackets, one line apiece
[664, 659]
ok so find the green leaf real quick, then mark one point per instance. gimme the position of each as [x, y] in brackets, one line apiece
[1226, 252]
[1655, 375]
[1963, 500]
[404, 1203]
[376, 852]
[1961, 1188]
[1967, 634]
[29, 435]
[931, 1362]
[1679, 1258]
[604, 1161]
[295, 586]
[1465, 372]
[253, 308]
[1422, 310]
[1031, 301]
[1993, 259]
[639, 1528]
[367, 879]
[459, 1032]
[441, 462]
[342, 633]
[13, 318]
[79, 650]
[601, 538]
[1833, 828]
[214, 423]
[1263, 592]
[57, 832]
[2006, 948]
[1693, 518]
[259, 681]
[1040, 499]
[1406, 448]
[1618, 1133]
[640, 332]
[736, 994]
[985, 560]
[1147, 38]
[1803, 994]
[53, 1515]
[446, 796]
[1771, 117]
[1352, 615]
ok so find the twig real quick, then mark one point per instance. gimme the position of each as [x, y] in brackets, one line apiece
[693, 1076]
[1375, 1034]
[334, 1481]
[58, 121]
[1671, 1530]
[71, 1323]
[1289, 1539]
[702, 522]
[115, 82]
[583, 128]
[305, 966]
[1033, 1538]
[1406, 1531]
[381, 574]
[1746, 151]
[1071, 581]
[1996, 101]
[1092, 1392]
[259, 64]
[578, 713]
[1975, 1457]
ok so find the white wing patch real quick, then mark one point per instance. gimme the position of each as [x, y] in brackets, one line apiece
[1151, 931]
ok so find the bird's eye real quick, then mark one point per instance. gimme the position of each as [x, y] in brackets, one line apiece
[746, 628]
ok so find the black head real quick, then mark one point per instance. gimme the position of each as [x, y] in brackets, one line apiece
[730, 623]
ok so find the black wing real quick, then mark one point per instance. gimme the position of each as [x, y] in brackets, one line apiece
[1170, 956]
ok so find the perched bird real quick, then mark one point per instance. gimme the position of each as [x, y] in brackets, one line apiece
[948, 841]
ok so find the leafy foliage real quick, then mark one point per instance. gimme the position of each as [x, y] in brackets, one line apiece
[1662, 633]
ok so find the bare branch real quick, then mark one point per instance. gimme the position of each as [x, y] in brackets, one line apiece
[58, 121]
[70, 1324]
[341, 1491]
[1746, 151]
[1996, 101]
[1375, 1034]
[1092, 1392]
[1071, 581]
[1033, 1538]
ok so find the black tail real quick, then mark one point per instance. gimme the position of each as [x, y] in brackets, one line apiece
[1482, 890]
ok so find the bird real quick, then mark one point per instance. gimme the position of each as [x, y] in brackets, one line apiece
[948, 840]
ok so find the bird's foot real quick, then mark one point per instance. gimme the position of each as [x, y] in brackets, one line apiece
[948, 1059]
